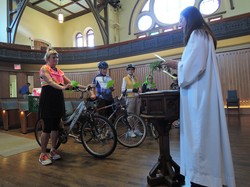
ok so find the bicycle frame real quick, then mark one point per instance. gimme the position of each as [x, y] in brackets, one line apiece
[111, 105]
[72, 119]
[119, 108]
[125, 123]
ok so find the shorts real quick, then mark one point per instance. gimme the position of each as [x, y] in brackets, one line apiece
[51, 124]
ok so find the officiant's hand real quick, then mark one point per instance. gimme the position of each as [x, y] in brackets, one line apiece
[170, 64]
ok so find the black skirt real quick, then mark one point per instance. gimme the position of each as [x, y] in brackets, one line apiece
[51, 103]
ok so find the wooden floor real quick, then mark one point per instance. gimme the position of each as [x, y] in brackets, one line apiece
[124, 168]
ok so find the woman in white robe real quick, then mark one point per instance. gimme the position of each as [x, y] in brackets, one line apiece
[205, 153]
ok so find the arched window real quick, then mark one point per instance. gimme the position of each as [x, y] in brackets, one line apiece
[79, 40]
[90, 38]
[157, 16]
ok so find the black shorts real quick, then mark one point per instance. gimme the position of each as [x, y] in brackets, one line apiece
[51, 124]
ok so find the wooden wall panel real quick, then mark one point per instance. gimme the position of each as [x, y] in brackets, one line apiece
[161, 79]
[234, 68]
[37, 83]
[4, 84]
[21, 80]
[117, 74]
[84, 78]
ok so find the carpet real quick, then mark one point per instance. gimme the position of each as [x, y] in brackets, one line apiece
[11, 145]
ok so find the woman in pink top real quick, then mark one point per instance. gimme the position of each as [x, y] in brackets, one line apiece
[51, 103]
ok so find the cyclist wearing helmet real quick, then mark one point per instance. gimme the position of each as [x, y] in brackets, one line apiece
[131, 84]
[103, 93]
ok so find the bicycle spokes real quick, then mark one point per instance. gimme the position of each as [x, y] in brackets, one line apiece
[131, 130]
[99, 137]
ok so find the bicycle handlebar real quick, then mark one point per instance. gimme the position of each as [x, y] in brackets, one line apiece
[88, 89]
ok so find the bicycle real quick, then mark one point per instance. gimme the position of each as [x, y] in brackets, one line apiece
[93, 130]
[125, 122]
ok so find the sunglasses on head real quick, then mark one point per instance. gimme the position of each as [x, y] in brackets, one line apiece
[54, 57]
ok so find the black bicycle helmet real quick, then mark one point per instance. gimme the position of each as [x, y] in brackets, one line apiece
[130, 66]
[103, 65]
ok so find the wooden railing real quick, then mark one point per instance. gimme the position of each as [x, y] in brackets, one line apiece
[224, 29]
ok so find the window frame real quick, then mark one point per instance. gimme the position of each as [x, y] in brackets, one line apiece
[77, 38]
[156, 24]
[88, 35]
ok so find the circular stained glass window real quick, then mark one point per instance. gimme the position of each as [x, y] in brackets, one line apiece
[208, 7]
[145, 22]
[168, 11]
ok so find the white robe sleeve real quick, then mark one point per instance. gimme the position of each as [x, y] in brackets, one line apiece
[194, 59]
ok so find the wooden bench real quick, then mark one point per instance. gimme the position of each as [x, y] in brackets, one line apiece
[15, 114]
[27, 119]
[9, 110]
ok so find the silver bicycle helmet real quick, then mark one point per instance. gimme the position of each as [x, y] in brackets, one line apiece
[130, 66]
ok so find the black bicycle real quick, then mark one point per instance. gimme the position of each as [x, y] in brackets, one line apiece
[130, 128]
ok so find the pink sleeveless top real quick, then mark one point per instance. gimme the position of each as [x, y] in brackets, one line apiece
[57, 76]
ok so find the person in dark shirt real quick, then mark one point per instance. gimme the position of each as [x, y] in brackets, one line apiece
[149, 84]
[24, 90]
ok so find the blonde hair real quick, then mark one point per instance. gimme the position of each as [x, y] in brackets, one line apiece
[49, 52]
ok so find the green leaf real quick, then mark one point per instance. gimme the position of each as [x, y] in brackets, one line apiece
[110, 83]
[74, 83]
[137, 85]
[156, 65]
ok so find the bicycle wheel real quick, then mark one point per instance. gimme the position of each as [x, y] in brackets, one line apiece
[124, 126]
[98, 136]
[38, 133]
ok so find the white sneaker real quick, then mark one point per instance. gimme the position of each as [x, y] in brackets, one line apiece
[54, 155]
[131, 134]
[44, 159]
[138, 132]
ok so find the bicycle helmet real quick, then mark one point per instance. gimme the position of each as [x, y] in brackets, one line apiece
[130, 66]
[103, 65]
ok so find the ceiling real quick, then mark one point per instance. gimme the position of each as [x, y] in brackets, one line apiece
[70, 8]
